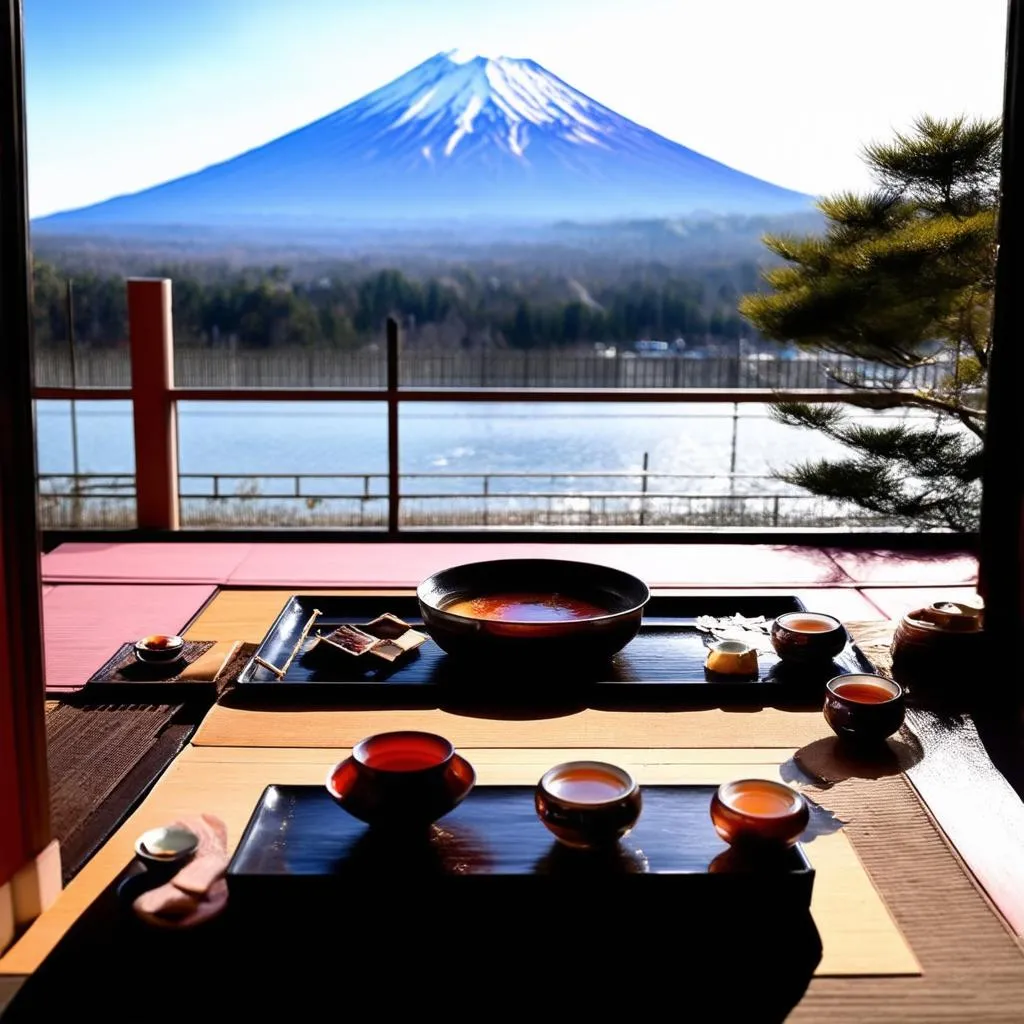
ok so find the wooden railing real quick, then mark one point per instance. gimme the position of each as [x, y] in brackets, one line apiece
[493, 368]
[154, 388]
[612, 498]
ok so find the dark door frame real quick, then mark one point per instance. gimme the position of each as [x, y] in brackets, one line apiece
[1002, 512]
[24, 782]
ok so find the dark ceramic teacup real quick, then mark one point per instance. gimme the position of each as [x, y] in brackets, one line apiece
[588, 804]
[401, 779]
[807, 637]
[864, 708]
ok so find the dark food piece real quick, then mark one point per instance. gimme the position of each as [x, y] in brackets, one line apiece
[387, 627]
[349, 639]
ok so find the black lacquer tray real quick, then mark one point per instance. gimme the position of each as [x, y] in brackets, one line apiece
[323, 924]
[663, 665]
[299, 845]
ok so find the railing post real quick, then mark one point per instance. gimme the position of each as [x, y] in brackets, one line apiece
[643, 487]
[392, 397]
[153, 408]
[732, 452]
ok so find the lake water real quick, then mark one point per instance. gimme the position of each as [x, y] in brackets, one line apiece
[249, 438]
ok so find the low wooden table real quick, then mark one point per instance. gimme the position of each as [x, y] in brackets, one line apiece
[968, 947]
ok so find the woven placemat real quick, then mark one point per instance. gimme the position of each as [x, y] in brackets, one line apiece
[973, 967]
[90, 750]
[124, 678]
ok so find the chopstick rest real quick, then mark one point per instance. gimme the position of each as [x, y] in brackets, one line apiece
[207, 668]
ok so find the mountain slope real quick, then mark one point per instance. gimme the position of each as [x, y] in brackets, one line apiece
[501, 140]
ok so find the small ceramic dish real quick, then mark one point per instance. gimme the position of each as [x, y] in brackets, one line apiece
[864, 708]
[759, 812]
[401, 779]
[807, 637]
[588, 804]
[167, 845]
[159, 649]
[732, 658]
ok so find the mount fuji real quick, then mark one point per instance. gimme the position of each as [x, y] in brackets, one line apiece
[485, 140]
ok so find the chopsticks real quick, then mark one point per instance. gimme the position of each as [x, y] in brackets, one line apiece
[280, 672]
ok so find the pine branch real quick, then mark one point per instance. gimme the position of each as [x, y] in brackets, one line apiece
[947, 165]
[903, 278]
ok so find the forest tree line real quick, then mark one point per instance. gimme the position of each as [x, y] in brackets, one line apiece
[266, 308]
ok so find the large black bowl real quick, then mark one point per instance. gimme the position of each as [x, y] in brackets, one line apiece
[595, 638]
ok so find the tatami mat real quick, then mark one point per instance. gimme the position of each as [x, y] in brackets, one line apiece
[83, 624]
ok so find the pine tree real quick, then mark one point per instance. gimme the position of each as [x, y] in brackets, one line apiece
[902, 278]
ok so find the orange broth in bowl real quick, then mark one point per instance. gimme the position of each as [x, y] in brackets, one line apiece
[525, 607]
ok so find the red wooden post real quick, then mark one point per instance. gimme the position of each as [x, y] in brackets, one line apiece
[153, 408]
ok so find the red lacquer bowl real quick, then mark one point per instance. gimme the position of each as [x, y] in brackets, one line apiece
[401, 779]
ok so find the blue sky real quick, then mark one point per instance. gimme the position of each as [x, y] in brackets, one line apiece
[123, 94]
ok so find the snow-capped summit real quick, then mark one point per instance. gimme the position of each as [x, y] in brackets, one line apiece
[457, 137]
[494, 101]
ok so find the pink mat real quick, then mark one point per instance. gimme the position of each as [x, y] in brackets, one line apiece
[661, 565]
[896, 601]
[84, 624]
[907, 568]
[130, 562]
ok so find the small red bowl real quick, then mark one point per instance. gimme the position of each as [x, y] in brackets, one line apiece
[402, 779]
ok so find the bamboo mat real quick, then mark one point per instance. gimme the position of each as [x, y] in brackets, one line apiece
[91, 750]
[226, 726]
[972, 966]
[858, 933]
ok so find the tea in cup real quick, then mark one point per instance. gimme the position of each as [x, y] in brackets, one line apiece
[864, 708]
[759, 812]
[401, 779]
[588, 804]
[807, 637]
[159, 649]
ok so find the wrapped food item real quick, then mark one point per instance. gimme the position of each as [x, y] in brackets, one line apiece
[387, 637]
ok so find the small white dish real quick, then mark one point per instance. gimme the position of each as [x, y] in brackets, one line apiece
[167, 844]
